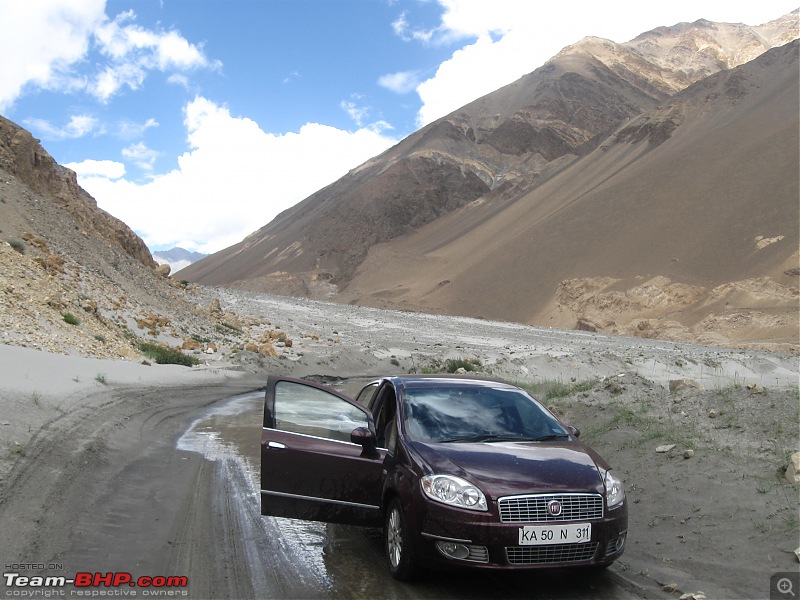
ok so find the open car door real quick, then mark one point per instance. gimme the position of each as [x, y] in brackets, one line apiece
[318, 456]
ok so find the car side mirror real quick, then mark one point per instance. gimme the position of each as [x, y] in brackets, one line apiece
[367, 440]
[574, 430]
[363, 437]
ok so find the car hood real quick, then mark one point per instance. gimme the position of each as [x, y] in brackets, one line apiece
[509, 468]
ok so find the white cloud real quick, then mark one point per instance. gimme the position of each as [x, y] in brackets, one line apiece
[513, 38]
[133, 51]
[356, 112]
[400, 83]
[42, 42]
[129, 130]
[120, 39]
[234, 179]
[98, 168]
[142, 156]
[40, 39]
[78, 126]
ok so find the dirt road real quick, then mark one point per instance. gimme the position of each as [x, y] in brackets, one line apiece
[114, 492]
[161, 480]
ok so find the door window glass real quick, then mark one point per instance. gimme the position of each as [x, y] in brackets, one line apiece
[365, 396]
[304, 409]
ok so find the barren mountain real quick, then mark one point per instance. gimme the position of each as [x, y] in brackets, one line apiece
[177, 258]
[598, 191]
[683, 224]
[75, 280]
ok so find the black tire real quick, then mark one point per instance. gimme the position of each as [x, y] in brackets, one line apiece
[397, 543]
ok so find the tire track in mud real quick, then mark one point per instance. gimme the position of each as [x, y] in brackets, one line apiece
[98, 487]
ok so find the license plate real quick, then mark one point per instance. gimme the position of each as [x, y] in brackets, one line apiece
[538, 535]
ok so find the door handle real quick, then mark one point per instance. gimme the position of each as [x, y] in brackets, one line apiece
[276, 445]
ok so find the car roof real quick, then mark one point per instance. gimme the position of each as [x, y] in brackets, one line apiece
[422, 381]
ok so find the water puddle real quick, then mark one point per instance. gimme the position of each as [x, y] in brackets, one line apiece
[315, 557]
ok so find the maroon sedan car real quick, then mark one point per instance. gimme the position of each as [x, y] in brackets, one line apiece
[457, 471]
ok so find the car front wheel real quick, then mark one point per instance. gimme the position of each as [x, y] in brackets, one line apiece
[397, 543]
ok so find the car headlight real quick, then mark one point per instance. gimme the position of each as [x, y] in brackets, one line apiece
[454, 491]
[615, 492]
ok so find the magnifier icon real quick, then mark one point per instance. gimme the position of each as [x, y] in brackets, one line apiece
[784, 586]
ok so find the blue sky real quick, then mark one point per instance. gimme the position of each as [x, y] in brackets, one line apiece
[197, 121]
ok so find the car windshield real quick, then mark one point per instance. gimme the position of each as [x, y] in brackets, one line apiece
[476, 414]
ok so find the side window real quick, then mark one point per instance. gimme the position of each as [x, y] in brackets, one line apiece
[385, 422]
[366, 395]
[308, 410]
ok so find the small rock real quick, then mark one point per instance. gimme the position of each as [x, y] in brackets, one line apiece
[688, 453]
[713, 414]
[215, 308]
[669, 587]
[797, 554]
[693, 596]
[793, 470]
[676, 385]
[665, 448]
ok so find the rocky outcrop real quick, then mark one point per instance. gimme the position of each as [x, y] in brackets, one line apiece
[22, 155]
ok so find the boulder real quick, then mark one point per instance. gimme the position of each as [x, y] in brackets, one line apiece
[191, 344]
[675, 385]
[215, 308]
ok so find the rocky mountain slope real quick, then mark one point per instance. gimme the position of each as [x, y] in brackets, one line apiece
[402, 229]
[682, 225]
[75, 280]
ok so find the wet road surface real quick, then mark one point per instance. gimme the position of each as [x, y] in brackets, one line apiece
[304, 559]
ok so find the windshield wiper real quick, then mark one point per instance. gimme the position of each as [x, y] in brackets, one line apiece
[486, 437]
[552, 436]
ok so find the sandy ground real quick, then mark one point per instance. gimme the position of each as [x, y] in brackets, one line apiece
[93, 478]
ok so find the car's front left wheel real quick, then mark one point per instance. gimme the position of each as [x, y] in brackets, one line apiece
[397, 543]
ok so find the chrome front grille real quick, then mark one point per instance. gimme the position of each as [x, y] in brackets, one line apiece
[545, 555]
[533, 508]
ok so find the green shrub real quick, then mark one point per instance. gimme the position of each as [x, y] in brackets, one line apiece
[70, 319]
[164, 355]
[451, 365]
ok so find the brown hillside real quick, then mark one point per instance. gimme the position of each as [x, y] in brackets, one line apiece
[683, 224]
[519, 183]
[502, 144]
[74, 279]
[21, 155]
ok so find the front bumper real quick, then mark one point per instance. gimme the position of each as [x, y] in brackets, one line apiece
[457, 537]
